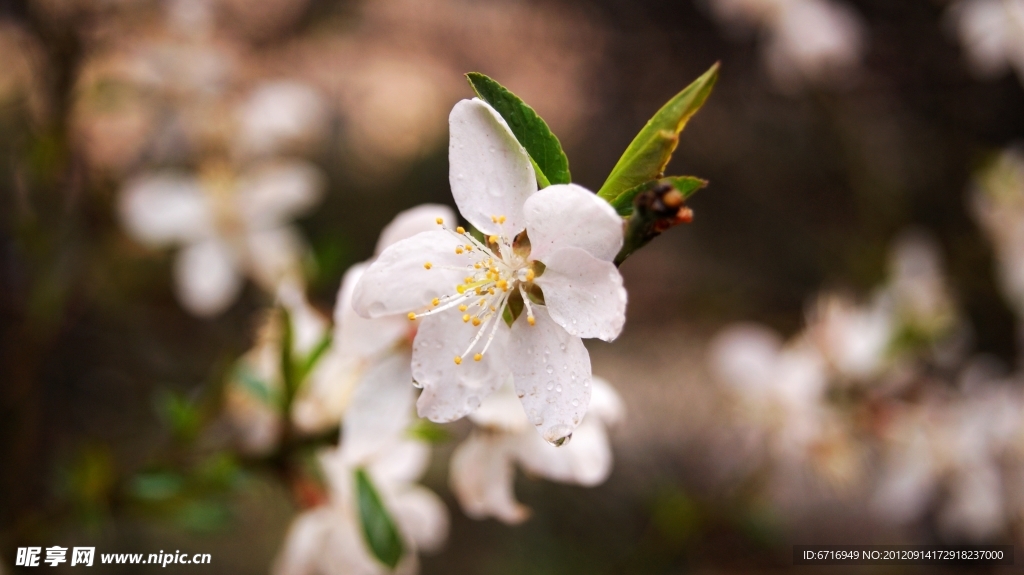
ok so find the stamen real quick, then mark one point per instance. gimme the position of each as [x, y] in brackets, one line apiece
[478, 357]
[460, 230]
[530, 274]
[463, 307]
[439, 221]
[493, 239]
[458, 360]
[465, 318]
[434, 302]
[428, 265]
[476, 322]
[412, 316]
[529, 308]
[458, 249]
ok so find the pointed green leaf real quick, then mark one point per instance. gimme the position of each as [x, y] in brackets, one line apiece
[378, 528]
[646, 157]
[687, 185]
[545, 151]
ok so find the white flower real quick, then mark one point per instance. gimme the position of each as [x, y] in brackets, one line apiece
[329, 540]
[227, 227]
[279, 115]
[992, 33]
[807, 41]
[482, 467]
[998, 201]
[853, 339]
[359, 343]
[254, 393]
[461, 288]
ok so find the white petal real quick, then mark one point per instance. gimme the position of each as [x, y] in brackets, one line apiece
[744, 356]
[326, 393]
[422, 517]
[207, 278]
[450, 390]
[489, 170]
[569, 215]
[583, 294]
[398, 281]
[422, 218]
[304, 543]
[481, 477]
[275, 194]
[501, 411]
[277, 115]
[275, 255]
[358, 337]
[586, 460]
[605, 403]
[552, 375]
[380, 411]
[165, 208]
[403, 463]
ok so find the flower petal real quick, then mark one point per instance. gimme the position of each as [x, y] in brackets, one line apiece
[501, 411]
[569, 215]
[586, 460]
[206, 276]
[304, 543]
[358, 337]
[422, 218]
[399, 282]
[450, 390]
[276, 193]
[552, 375]
[583, 294]
[274, 256]
[605, 403]
[489, 170]
[380, 411]
[327, 393]
[481, 477]
[422, 517]
[165, 208]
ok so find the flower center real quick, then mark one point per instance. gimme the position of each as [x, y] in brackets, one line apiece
[497, 272]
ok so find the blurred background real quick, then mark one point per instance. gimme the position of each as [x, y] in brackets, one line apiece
[828, 136]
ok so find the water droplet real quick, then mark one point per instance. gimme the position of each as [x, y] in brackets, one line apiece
[586, 383]
[551, 385]
[535, 418]
[417, 384]
[558, 389]
[558, 435]
[547, 350]
[472, 402]
[561, 346]
[550, 369]
[565, 367]
[573, 376]
[575, 403]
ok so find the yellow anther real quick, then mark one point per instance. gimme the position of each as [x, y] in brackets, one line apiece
[435, 301]
[490, 291]
[476, 321]
[439, 221]
[460, 288]
[428, 265]
[463, 307]
[493, 239]
[460, 230]
[494, 219]
[458, 249]
[465, 318]
[412, 316]
[467, 280]
[476, 265]
[530, 274]
[458, 359]
[531, 320]
[469, 248]
[477, 357]
[502, 285]
[494, 308]
[479, 291]
[501, 219]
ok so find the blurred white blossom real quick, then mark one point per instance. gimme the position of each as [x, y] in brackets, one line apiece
[255, 392]
[463, 288]
[992, 34]
[483, 466]
[805, 41]
[227, 226]
[997, 198]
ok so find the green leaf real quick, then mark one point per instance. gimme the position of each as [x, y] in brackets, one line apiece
[378, 528]
[545, 151]
[157, 485]
[429, 432]
[314, 356]
[687, 186]
[250, 382]
[646, 157]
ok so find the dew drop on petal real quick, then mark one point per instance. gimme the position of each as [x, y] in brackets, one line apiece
[575, 403]
[550, 369]
[472, 402]
[561, 346]
[558, 389]
[558, 435]
[551, 385]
